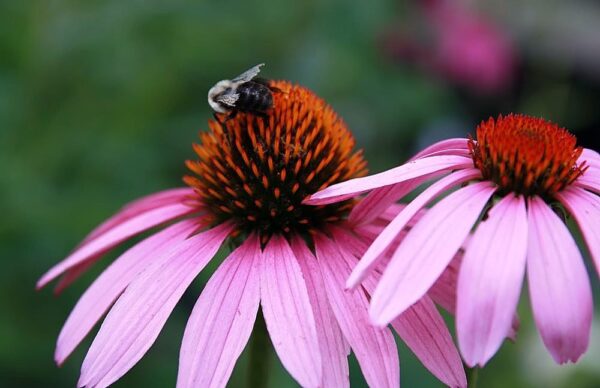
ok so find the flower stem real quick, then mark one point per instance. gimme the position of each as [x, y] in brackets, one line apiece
[473, 377]
[259, 355]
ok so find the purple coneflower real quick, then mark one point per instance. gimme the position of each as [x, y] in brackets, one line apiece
[514, 184]
[249, 181]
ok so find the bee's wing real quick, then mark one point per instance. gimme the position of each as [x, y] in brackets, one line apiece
[228, 99]
[248, 74]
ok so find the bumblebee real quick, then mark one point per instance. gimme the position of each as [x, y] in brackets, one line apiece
[244, 93]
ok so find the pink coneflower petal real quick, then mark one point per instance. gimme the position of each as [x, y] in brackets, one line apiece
[334, 348]
[387, 236]
[410, 170]
[455, 146]
[378, 200]
[137, 317]
[288, 313]
[443, 291]
[490, 279]
[375, 349]
[559, 287]
[141, 205]
[427, 250]
[222, 320]
[110, 284]
[421, 326]
[590, 179]
[585, 207]
[112, 237]
[423, 329]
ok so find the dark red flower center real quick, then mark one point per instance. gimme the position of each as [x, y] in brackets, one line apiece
[526, 155]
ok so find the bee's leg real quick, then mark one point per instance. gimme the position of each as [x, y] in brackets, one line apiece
[231, 115]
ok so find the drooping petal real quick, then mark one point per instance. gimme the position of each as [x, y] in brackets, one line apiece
[585, 207]
[559, 287]
[288, 313]
[454, 146]
[378, 200]
[443, 291]
[385, 238]
[590, 179]
[137, 317]
[110, 284]
[421, 326]
[374, 348]
[222, 320]
[426, 251]
[112, 237]
[490, 279]
[423, 329]
[334, 349]
[410, 170]
[141, 205]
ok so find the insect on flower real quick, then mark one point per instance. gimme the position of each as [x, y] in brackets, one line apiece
[246, 186]
[244, 93]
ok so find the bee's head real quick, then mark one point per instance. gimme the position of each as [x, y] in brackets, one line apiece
[220, 89]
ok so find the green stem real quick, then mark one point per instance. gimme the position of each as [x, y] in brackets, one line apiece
[259, 355]
[473, 377]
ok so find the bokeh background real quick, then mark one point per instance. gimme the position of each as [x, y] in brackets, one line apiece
[101, 100]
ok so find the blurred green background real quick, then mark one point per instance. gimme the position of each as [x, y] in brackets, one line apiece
[101, 100]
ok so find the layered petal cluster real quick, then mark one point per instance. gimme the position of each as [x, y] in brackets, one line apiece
[312, 321]
[504, 222]
[291, 261]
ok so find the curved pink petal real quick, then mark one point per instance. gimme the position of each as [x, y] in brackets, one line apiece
[141, 205]
[423, 329]
[585, 207]
[378, 200]
[222, 320]
[490, 279]
[592, 157]
[334, 349]
[112, 237]
[426, 251]
[74, 273]
[374, 348]
[134, 322]
[448, 145]
[559, 287]
[288, 313]
[443, 291]
[589, 180]
[387, 236]
[110, 284]
[407, 171]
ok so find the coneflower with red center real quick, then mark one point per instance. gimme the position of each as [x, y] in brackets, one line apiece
[515, 183]
[248, 184]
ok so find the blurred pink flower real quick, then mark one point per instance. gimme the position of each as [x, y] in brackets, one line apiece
[291, 259]
[511, 177]
[463, 46]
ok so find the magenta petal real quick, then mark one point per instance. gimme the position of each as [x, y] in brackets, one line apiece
[378, 200]
[334, 349]
[559, 287]
[449, 146]
[443, 291]
[585, 207]
[423, 329]
[490, 280]
[112, 237]
[222, 320]
[407, 171]
[110, 284]
[141, 205]
[288, 313]
[133, 324]
[385, 238]
[426, 251]
[375, 349]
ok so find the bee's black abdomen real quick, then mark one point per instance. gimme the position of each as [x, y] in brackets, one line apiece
[254, 97]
